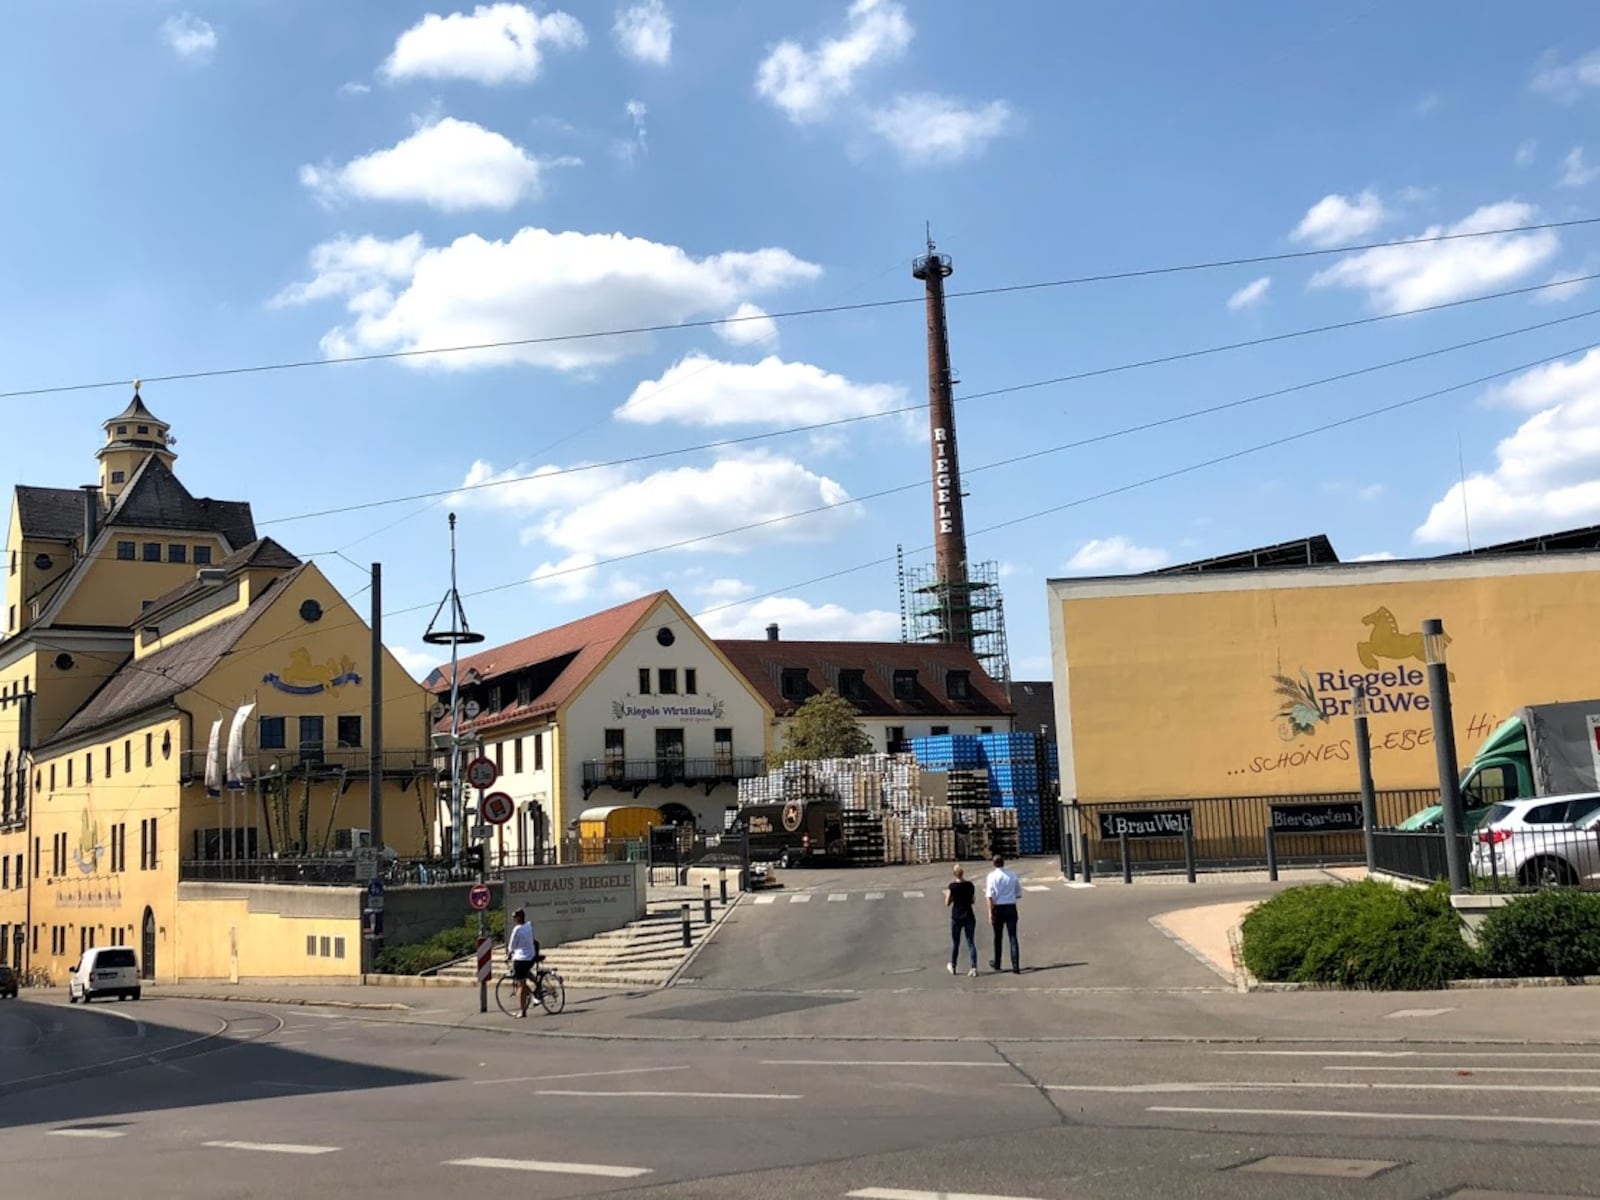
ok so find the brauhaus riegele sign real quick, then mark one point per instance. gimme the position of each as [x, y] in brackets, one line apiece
[567, 904]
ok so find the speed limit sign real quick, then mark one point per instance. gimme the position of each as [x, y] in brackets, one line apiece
[481, 773]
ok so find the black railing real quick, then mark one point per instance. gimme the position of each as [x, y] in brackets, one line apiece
[1511, 858]
[1417, 854]
[1311, 829]
[351, 760]
[636, 774]
[676, 848]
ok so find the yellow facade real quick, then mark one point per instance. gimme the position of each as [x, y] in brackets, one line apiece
[1185, 686]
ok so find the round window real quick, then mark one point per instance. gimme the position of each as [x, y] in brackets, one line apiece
[44, 562]
[665, 636]
[65, 662]
[311, 611]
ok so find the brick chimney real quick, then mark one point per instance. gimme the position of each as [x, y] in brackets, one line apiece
[772, 632]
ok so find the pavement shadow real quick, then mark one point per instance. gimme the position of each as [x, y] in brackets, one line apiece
[75, 1072]
[1060, 966]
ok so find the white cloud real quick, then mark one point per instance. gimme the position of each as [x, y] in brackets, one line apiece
[925, 128]
[404, 296]
[1547, 472]
[703, 391]
[575, 579]
[1575, 172]
[417, 662]
[1571, 284]
[1526, 153]
[806, 83]
[1335, 219]
[799, 620]
[1116, 556]
[1427, 104]
[496, 44]
[750, 326]
[524, 489]
[1251, 294]
[190, 37]
[1377, 556]
[449, 165]
[1371, 492]
[1567, 81]
[644, 33]
[354, 88]
[638, 144]
[1403, 277]
[723, 591]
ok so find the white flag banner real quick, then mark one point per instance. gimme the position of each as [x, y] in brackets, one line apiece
[213, 767]
[238, 766]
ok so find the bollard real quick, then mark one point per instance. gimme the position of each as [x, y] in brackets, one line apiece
[1088, 861]
[705, 894]
[1188, 852]
[1070, 862]
[1127, 861]
[722, 878]
[687, 941]
[1272, 854]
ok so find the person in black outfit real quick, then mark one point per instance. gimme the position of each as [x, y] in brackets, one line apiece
[960, 897]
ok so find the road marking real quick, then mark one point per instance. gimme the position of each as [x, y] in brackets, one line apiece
[913, 895]
[86, 1133]
[1079, 885]
[552, 1168]
[272, 1147]
[580, 1075]
[876, 1062]
[1034, 887]
[800, 898]
[1480, 1070]
[675, 1095]
[908, 1194]
[1264, 1086]
[1416, 1012]
[1455, 1055]
[874, 895]
[765, 899]
[1336, 1114]
[839, 896]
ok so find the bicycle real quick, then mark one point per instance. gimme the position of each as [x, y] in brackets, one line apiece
[549, 991]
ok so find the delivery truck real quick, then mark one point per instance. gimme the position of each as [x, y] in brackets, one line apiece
[1540, 750]
[794, 833]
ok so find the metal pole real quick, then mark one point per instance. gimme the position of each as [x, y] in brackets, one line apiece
[705, 894]
[375, 768]
[1369, 800]
[483, 915]
[687, 938]
[1127, 861]
[1188, 851]
[456, 829]
[1444, 740]
[722, 879]
[1272, 854]
[1069, 865]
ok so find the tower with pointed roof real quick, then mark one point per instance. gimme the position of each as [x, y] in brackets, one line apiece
[132, 436]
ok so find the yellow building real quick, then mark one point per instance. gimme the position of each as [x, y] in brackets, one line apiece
[147, 627]
[1233, 677]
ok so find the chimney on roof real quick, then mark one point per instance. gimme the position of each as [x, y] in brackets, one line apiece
[772, 632]
[91, 513]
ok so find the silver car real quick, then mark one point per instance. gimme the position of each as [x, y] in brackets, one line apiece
[1547, 841]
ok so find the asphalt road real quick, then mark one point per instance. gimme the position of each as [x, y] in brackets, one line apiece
[806, 1060]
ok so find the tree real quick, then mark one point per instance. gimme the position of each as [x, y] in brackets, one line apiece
[825, 726]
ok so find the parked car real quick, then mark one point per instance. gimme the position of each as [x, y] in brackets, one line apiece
[104, 971]
[8, 983]
[1550, 841]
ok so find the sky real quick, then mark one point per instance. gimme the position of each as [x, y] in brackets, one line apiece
[208, 186]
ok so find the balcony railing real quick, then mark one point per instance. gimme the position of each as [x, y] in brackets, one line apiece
[315, 760]
[636, 774]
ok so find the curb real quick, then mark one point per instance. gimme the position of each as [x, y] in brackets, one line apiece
[1454, 985]
[1194, 952]
[297, 1001]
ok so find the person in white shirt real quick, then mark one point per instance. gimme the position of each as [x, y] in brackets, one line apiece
[521, 952]
[1002, 890]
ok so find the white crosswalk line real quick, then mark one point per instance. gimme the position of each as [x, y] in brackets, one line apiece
[910, 1194]
[272, 1147]
[913, 895]
[800, 898]
[874, 895]
[765, 899]
[87, 1133]
[1076, 884]
[1034, 887]
[550, 1168]
[838, 896]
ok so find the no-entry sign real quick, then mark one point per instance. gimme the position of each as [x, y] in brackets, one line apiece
[478, 896]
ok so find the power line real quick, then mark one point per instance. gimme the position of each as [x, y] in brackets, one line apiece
[820, 310]
[837, 422]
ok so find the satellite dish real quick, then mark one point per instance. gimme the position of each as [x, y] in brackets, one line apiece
[438, 711]
[471, 709]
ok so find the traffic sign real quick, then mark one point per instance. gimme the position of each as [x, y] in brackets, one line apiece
[375, 896]
[366, 863]
[480, 833]
[478, 896]
[481, 773]
[498, 808]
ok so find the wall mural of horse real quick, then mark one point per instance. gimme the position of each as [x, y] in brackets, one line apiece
[1386, 641]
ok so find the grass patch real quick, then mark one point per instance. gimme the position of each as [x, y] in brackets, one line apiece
[445, 946]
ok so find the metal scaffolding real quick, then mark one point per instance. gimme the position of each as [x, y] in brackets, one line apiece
[931, 610]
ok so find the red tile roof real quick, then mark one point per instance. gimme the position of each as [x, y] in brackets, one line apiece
[586, 641]
[763, 663]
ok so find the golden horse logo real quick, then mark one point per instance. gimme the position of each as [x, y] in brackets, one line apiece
[302, 672]
[1386, 641]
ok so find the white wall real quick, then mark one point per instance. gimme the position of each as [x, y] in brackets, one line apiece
[534, 784]
[592, 711]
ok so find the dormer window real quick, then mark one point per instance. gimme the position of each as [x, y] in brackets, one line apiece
[853, 685]
[524, 690]
[958, 685]
[905, 685]
[143, 429]
[121, 429]
[118, 476]
[794, 683]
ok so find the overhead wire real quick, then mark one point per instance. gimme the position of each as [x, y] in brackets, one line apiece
[819, 310]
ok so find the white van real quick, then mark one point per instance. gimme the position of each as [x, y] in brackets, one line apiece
[104, 971]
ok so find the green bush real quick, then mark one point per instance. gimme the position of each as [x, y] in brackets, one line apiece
[1553, 932]
[456, 942]
[1360, 935]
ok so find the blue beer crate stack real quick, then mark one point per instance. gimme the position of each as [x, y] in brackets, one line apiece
[1018, 774]
[949, 752]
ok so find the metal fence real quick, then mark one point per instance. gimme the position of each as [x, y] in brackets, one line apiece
[1506, 859]
[1308, 829]
[676, 848]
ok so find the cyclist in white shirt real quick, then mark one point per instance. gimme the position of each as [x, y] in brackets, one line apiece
[522, 951]
[1002, 890]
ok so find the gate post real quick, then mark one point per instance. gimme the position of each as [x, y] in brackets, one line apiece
[1188, 852]
[1127, 862]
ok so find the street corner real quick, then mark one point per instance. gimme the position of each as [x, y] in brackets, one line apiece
[1208, 932]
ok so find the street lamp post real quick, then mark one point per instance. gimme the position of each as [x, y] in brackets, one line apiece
[1434, 642]
[1369, 802]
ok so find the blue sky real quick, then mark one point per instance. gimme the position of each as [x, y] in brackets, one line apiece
[245, 182]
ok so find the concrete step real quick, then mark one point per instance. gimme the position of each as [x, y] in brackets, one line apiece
[642, 954]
